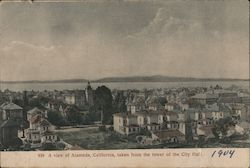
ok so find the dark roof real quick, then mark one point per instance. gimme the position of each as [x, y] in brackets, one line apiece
[166, 134]
[35, 111]
[45, 122]
[207, 130]
[35, 119]
[10, 106]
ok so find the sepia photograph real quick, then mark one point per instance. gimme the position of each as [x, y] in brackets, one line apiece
[124, 74]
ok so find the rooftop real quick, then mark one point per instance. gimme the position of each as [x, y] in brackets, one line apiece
[45, 122]
[205, 96]
[35, 111]
[166, 134]
[10, 106]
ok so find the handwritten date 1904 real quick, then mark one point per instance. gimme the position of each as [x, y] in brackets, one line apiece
[223, 153]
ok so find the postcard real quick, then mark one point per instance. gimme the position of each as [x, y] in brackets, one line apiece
[124, 83]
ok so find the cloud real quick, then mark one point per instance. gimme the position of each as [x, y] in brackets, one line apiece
[164, 26]
[14, 45]
[186, 47]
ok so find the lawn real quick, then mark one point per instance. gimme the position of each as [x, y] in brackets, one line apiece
[95, 139]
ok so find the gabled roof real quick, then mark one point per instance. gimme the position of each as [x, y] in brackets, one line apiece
[10, 106]
[35, 119]
[35, 111]
[45, 122]
[166, 134]
[207, 130]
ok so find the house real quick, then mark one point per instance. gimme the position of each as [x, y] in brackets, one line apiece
[48, 137]
[184, 106]
[40, 131]
[145, 140]
[135, 107]
[227, 96]
[35, 111]
[244, 98]
[206, 132]
[77, 98]
[235, 130]
[155, 106]
[216, 115]
[170, 116]
[202, 114]
[172, 106]
[168, 136]
[125, 124]
[205, 98]
[11, 111]
[150, 120]
[239, 111]
[9, 133]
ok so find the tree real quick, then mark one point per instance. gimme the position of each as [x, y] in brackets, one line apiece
[103, 102]
[92, 116]
[74, 116]
[35, 103]
[55, 118]
[119, 103]
[221, 127]
[162, 100]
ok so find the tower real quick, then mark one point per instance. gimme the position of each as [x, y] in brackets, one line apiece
[89, 94]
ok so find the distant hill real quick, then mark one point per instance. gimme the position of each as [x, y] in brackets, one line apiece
[159, 78]
[155, 78]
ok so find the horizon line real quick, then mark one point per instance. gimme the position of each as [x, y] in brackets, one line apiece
[102, 78]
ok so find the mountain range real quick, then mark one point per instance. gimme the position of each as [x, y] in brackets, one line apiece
[155, 78]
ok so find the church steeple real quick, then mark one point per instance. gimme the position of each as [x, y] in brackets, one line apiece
[89, 86]
[89, 94]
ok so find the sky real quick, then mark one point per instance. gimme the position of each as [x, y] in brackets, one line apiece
[96, 39]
